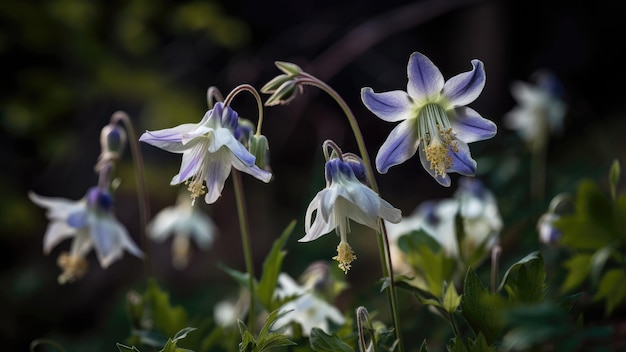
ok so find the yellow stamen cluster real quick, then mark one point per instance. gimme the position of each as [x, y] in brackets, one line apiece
[197, 188]
[437, 151]
[74, 267]
[344, 256]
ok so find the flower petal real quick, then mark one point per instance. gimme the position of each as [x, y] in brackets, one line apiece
[252, 170]
[223, 137]
[444, 181]
[400, 145]
[191, 163]
[389, 212]
[170, 139]
[389, 106]
[162, 225]
[470, 127]
[462, 161]
[105, 239]
[202, 229]
[57, 208]
[56, 232]
[425, 79]
[363, 197]
[219, 167]
[465, 87]
[319, 227]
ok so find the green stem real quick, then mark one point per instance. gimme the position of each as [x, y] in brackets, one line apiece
[142, 194]
[383, 239]
[245, 239]
[259, 102]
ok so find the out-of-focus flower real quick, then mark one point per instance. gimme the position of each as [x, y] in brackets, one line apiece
[345, 198]
[90, 222]
[549, 234]
[227, 312]
[184, 222]
[435, 119]
[479, 214]
[540, 110]
[112, 144]
[210, 149]
[307, 309]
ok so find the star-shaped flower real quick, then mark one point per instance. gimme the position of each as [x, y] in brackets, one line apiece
[184, 222]
[92, 224]
[345, 198]
[307, 309]
[210, 149]
[435, 119]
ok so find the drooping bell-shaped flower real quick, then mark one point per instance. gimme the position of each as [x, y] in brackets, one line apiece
[345, 198]
[210, 149]
[434, 119]
[184, 223]
[90, 222]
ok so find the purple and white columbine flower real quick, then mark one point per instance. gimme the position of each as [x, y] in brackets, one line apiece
[92, 224]
[210, 149]
[345, 198]
[434, 119]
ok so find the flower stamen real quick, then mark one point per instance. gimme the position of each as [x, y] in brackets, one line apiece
[344, 256]
[437, 136]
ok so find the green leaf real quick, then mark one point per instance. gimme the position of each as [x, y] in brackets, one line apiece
[481, 345]
[274, 340]
[598, 259]
[247, 339]
[524, 281]
[613, 289]
[272, 267]
[167, 319]
[578, 268]
[240, 277]
[451, 299]
[320, 342]
[614, 174]
[480, 308]
[456, 345]
[183, 333]
[124, 348]
[423, 347]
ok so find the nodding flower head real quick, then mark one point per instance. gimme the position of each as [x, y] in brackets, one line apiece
[210, 150]
[345, 197]
[435, 119]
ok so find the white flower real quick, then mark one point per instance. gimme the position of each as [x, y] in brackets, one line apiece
[210, 150]
[540, 111]
[184, 222]
[91, 223]
[345, 198]
[307, 309]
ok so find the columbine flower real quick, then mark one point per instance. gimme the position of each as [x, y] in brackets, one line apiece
[209, 151]
[307, 309]
[540, 110]
[434, 119]
[548, 233]
[344, 198]
[91, 223]
[184, 222]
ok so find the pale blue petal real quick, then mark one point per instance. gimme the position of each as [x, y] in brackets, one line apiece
[363, 197]
[192, 135]
[202, 229]
[389, 106]
[469, 126]
[252, 170]
[444, 181]
[465, 87]
[425, 79]
[57, 208]
[319, 227]
[77, 219]
[400, 145]
[223, 137]
[170, 139]
[191, 163]
[56, 232]
[328, 199]
[219, 167]
[462, 161]
[389, 212]
[106, 244]
[357, 214]
[162, 225]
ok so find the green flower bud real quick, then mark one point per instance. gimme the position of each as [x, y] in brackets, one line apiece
[289, 68]
[259, 147]
[284, 94]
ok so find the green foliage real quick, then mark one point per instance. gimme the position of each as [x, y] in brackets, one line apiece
[271, 269]
[170, 345]
[596, 234]
[321, 342]
[481, 308]
[267, 338]
[524, 282]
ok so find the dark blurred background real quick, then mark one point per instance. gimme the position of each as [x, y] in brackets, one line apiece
[67, 65]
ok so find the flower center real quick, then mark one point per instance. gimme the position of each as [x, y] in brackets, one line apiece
[195, 184]
[437, 137]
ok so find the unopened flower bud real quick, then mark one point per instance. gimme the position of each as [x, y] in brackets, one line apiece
[288, 68]
[259, 147]
[112, 142]
[284, 94]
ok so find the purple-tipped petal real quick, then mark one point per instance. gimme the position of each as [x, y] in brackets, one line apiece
[470, 127]
[224, 137]
[253, 170]
[389, 106]
[444, 181]
[462, 161]
[425, 79]
[465, 87]
[170, 139]
[401, 144]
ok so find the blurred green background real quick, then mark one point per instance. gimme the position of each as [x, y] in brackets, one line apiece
[67, 65]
